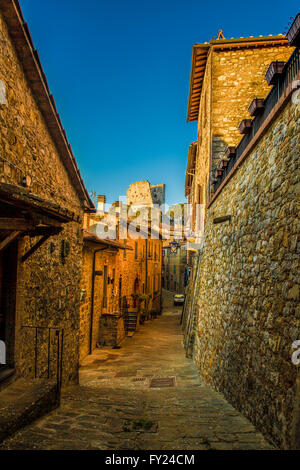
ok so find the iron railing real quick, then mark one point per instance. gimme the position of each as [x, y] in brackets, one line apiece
[54, 343]
[290, 72]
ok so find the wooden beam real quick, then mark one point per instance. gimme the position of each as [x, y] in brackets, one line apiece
[35, 247]
[8, 240]
[15, 224]
[41, 231]
[44, 220]
[220, 220]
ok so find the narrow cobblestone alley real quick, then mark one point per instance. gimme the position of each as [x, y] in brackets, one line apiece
[118, 405]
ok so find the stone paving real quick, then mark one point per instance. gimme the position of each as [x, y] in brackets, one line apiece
[115, 408]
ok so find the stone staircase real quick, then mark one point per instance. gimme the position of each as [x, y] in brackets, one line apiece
[131, 321]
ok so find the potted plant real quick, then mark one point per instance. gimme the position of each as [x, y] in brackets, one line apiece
[256, 107]
[245, 126]
[274, 72]
[135, 297]
[218, 173]
[293, 34]
[144, 314]
[153, 314]
[143, 298]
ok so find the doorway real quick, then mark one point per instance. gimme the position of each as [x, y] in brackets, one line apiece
[8, 283]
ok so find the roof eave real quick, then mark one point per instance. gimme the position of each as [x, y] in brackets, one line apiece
[204, 47]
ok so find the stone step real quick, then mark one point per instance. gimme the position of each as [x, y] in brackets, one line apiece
[23, 402]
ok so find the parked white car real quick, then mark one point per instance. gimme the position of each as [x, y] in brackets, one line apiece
[178, 299]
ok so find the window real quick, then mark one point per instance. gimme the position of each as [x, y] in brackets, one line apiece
[125, 251]
[136, 250]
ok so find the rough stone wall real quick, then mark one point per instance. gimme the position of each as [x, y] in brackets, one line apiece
[248, 299]
[48, 288]
[139, 193]
[158, 194]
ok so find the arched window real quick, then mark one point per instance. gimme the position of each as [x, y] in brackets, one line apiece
[2, 93]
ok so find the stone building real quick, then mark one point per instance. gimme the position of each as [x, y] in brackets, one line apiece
[226, 74]
[127, 268]
[42, 202]
[99, 284]
[241, 320]
[174, 270]
[141, 192]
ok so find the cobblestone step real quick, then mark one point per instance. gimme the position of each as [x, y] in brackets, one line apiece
[23, 402]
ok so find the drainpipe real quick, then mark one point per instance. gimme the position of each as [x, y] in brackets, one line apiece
[146, 266]
[92, 297]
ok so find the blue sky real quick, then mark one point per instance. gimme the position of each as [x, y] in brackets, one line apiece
[119, 72]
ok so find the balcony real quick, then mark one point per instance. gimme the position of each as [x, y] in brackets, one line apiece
[256, 107]
[293, 34]
[289, 73]
[245, 126]
[274, 72]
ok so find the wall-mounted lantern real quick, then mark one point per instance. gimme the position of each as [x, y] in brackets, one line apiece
[174, 247]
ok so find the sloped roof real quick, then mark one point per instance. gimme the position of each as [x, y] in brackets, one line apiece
[91, 237]
[199, 60]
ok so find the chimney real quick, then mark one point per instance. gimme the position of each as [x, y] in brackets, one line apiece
[101, 204]
[116, 206]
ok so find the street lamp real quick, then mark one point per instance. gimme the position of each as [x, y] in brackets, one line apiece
[174, 246]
